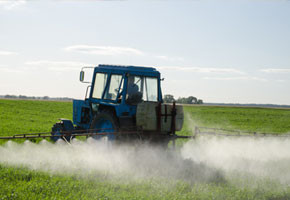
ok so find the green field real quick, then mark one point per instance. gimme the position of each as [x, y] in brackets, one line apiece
[18, 182]
[269, 120]
[21, 116]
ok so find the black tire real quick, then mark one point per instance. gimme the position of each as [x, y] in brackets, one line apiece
[104, 122]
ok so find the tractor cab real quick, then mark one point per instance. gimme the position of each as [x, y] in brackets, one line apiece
[117, 90]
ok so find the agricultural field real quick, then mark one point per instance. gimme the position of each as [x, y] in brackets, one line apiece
[21, 116]
[268, 120]
[69, 179]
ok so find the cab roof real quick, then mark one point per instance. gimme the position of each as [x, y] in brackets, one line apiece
[138, 70]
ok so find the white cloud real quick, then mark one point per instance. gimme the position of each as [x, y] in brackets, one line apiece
[7, 53]
[281, 81]
[273, 70]
[104, 50]
[11, 4]
[203, 69]
[167, 58]
[55, 65]
[236, 78]
[9, 70]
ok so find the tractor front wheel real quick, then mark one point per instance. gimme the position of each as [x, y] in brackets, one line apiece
[105, 123]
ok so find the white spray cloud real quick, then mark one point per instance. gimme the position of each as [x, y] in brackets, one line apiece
[262, 157]
[97, 156]
[205, 159]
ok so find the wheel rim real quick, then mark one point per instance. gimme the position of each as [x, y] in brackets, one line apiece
[105, 126]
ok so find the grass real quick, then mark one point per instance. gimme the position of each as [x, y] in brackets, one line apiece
[26, 116]
[21, 183]
[17, 116]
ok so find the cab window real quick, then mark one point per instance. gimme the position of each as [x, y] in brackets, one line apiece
[141, 88]
[151, 89]
[100, 84]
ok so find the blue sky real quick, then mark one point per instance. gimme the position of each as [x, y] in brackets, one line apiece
[219, 51]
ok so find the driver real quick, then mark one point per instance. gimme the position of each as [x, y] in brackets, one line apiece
[132, 88]
[134, 96]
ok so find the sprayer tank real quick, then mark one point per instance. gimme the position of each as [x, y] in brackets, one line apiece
[146, 116]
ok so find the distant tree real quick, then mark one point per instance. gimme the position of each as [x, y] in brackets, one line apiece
[199, 101]
[181, 100]
[168, 98]
[191, 100]
[22, 97]
[45, 97]
[11, 96]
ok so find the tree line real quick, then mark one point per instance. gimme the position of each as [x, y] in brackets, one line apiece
[168, 98]
[8, 96]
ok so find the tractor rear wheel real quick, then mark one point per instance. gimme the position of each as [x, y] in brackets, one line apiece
[105, 122]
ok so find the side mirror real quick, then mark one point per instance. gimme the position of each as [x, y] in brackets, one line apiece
[82, 76]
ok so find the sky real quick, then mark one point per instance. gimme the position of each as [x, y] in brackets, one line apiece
[231, 51]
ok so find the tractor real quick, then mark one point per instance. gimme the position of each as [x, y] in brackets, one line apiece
[122, 103]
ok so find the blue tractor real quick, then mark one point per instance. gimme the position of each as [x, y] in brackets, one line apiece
[122, 103]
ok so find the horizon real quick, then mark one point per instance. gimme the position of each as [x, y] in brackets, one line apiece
[25, 97]
[221, 51]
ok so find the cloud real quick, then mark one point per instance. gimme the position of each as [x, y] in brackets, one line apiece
[247, 78]
[7, 53]
[281, 81]
[55, 65]
[203, 70]
[9, 70]
[11, 4]
[273, 70]
[104, 50]
[167, 58]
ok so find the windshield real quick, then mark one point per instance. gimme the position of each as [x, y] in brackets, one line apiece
[113, 88]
